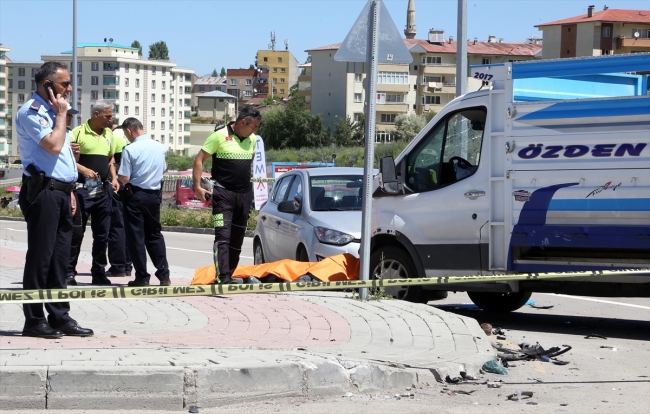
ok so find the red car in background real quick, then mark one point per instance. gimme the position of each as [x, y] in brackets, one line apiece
[185, 195]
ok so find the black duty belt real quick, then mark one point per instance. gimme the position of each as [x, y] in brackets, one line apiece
[56, 185]
[138, 189]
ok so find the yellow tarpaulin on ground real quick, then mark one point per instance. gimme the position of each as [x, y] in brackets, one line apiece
[335, 268]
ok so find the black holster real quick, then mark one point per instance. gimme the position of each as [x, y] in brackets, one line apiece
[128, 191]
[35, 183]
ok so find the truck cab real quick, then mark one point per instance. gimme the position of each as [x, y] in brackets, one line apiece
[545, 170]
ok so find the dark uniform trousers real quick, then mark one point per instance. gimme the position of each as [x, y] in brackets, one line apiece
[99, 208]
[230, 212]
[118, 254]
[49, 234]
[77, 236]
[143, 233]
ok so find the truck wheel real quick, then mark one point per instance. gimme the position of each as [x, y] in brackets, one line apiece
[258, 253]
[499, 301]
[392, 262]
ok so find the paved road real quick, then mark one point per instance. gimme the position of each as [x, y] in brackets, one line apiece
[603, 375]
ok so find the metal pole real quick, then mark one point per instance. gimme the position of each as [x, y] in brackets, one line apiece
[461, 51]
[74, 61]
[369, 153]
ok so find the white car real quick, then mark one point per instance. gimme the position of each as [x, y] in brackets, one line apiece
[311, 214]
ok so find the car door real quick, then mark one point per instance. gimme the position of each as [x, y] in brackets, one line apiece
[290, 224]
[446, 204]
[269, 217]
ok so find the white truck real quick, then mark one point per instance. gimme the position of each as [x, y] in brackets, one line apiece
[546, 169]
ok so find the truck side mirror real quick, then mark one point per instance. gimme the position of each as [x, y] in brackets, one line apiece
[387, 175]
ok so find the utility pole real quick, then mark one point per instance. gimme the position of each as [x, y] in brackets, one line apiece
[74, 68]
[461, 50]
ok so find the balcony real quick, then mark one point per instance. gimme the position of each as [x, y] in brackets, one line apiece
[440, 87]
[393, 107]
[394, 87]
[110, 95]
[632, 42]
[430, 69]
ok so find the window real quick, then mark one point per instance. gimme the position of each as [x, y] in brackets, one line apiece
[233, 82]
[153, 84]
[79, 66]
[279, 60]
[126, 68]
[94, 66]
[137, 83]
[180, 102]
[266, 59]
[249, 82]
[162, 125]
[188, 89]
[400, 78]
[153, 111]
[171, 139]
[137, 96]
[643, 33]
[21, 84]
[180, 140]
[275, 70]
[137, 69]
[162, 98]
[486, 61]
[126, 96]
[358, 77]
[180, 89]
[153, 97]
[126, 110]
[186, 127]
[431, 60]
[33, 72]
[434, 162]
[281, 90]
[21, 71]
[33, 85]
[358, 116]
[79, 80]
[94, 94]
[295, 192]
[430, 100]
[180, 128]
[283, 70]
[187, 102]
[388, 118]
[357, 97]
[605, 52]
[153, 70]
[21, 97]
[153, 125]
[383, 98]
[126, 81]
[137, 110]
[201, 88]
[164, 71]
[180, 114]
[427, 79]
[281, 80]
[188, 78]
[163, 85]
[281, 189]
[607, 31]
[94, 80]
[162, 111]
[248, 93]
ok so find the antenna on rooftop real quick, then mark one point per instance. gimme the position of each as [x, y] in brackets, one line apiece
[272, 44]
[286, 44]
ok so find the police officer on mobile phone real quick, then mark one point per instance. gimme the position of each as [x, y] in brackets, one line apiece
[46, 199]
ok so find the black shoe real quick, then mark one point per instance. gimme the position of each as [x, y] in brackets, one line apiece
[72, 329]
[224, 281]
[113, 273]
[43, 330]
[137, 283]
[71, 281]
[101, 280]
[165, 282]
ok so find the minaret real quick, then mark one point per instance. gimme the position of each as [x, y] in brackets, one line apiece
[410, 21]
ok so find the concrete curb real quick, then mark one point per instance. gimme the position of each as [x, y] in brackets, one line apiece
[176, 388]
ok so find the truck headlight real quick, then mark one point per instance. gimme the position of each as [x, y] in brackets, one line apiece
[329, 236]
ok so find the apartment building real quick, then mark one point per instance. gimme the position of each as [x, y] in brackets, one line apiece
[156, 92]
[4, 109]
[243, 84]
[282, 68]
[336, 89]
[605, 32]
[206, 84]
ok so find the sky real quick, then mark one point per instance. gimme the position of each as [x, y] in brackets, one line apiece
[211, 34]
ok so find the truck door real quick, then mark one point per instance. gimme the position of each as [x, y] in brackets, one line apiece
[446, 203]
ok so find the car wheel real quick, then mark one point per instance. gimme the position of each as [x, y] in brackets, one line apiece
[499, 301]
[392, 262]
[303, 256]
[258, 253]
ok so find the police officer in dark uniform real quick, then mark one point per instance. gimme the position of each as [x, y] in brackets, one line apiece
[232, 148]
[141, 172]
[46, 199]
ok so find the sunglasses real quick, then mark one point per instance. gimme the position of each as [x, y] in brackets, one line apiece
[64, 84]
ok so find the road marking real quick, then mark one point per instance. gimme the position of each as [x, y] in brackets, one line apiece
[202, 251]
[599, 300]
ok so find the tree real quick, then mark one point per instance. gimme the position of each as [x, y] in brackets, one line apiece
[137, 45]
[223, 71]
[408, 126]
[158, 51]
[256, 61]
[270, 100]
[214, 73]
[251, 66]
[430, 115]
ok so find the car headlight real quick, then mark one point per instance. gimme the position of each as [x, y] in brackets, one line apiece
[329, 236]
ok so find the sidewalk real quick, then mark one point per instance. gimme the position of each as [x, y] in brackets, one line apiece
[168, 354]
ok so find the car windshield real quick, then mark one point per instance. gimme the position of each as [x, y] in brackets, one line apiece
[336, 192]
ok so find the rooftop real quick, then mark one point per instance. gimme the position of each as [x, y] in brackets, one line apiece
[115, 45]
[609, 15]
[210, 80]
[216, 94]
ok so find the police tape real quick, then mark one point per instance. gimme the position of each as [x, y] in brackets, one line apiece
[149, 292]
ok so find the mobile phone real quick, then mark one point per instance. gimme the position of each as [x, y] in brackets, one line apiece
[49, 87]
